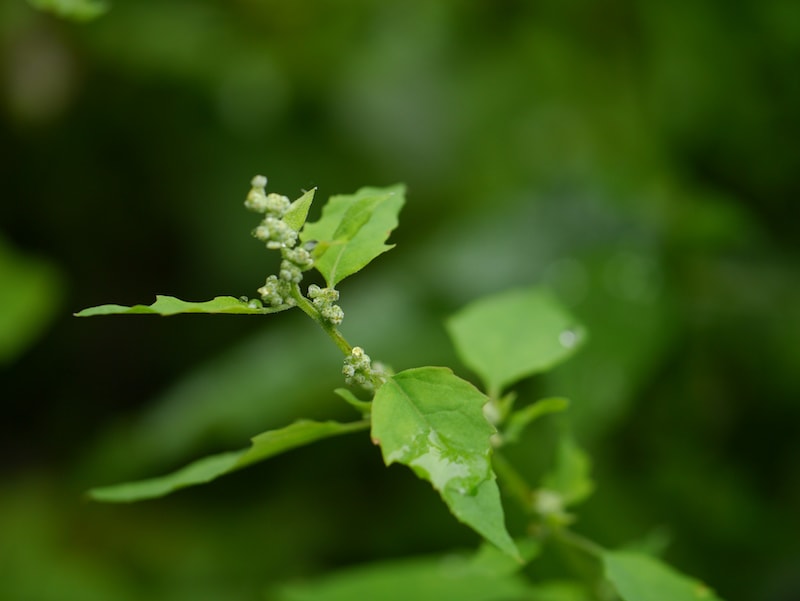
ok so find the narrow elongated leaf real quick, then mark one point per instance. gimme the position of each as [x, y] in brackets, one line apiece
[363, 407]
[436, 578]
[168, 305]
[264, 445]
[353, 230]
[512, 335]
[295, 217]
[639, 577]
[432, 421]
[519, 420]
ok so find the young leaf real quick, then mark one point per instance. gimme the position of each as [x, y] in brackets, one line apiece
[432, 421]
[512, 335]
[571, 476]
[263, 446]
[168, 305]
[640, 577]
[363, 407]
[519, 420]
[353, 230]
[295, 217]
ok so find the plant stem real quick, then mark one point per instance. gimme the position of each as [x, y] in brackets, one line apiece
[522, 492]
[579, 542]
[513, 481]
[309, 309]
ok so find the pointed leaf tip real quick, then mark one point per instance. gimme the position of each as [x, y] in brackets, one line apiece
[432, 421]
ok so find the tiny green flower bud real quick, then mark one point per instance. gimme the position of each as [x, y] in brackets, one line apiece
[324, 299]
[290, 272]
[357, 368]
[300, 257]
[256, 199]
[276, 233]
[333, 313]
[277, 204]
[276, 292]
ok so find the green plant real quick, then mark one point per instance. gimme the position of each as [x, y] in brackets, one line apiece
[447, 430]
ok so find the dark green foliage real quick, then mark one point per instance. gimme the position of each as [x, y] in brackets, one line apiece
[637, 159]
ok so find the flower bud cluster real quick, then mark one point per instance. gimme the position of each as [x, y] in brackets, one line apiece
[324, 300]
[276, 292]
[357, 368]
[278, 235]
[261, 202]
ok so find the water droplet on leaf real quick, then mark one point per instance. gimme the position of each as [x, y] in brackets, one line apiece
[568, 338]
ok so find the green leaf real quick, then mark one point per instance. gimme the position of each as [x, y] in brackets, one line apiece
[353, 230]
[78, 10]
[168, 305]
[363, 407]
[432, 421]
[640, 577]
[571, 476]
[295, 217]
[519, 420]
[437, 578]
[560, 590]
[263, 446]
[512, 335]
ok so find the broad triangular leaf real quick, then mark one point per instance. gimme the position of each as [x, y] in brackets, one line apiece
[353, 230]
[639, 577]
[263, 446]
[168, 305]
[512, 335]
[295, 217]
[432, 421]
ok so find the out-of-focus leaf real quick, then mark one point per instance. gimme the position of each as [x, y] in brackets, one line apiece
[512, 335]
[441, 578]
[519, 420]
[556, 590]
[264, 446]
[640, 577]
[353, 230]
[570, 477]
[30, 289]
[168, 305]
[295, 217]
[78, 10]
[432, 421]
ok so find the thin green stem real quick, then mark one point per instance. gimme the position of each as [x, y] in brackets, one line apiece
[309, 309]
[579, 542]
[513, 481]
[522, 492]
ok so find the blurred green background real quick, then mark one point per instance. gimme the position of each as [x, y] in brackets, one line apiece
[639, 158]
